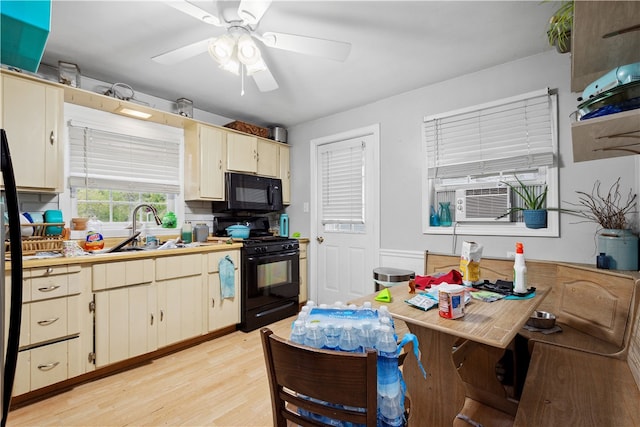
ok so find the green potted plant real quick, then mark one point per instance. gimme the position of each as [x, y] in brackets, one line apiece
[534, 210]
[560, 25]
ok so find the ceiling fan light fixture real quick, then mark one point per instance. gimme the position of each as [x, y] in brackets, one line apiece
[248, 52]
[232, 65]
[221, 48]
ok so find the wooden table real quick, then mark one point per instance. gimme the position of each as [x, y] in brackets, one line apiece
[437, 400]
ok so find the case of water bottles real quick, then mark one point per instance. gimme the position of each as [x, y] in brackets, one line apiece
[353, 329]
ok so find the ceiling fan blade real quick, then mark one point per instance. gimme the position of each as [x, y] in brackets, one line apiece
[308, 45]
[182, 53]
[251, 11]
[265, 80]
[190, 9]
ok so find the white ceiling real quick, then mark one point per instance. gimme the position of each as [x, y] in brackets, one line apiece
[397, 46]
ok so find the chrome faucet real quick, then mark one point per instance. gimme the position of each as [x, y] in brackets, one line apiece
[135, 218]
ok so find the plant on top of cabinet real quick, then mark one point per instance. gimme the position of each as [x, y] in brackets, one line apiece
[560, 25]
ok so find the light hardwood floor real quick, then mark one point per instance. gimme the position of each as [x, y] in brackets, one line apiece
[218, 383]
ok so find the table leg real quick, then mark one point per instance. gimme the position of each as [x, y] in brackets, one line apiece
[437, 400]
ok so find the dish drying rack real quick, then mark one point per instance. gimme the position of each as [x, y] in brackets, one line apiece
[41, 240]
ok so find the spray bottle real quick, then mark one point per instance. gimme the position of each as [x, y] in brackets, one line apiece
[519, 271]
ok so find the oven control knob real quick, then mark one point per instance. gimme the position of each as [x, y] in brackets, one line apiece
[263, 249]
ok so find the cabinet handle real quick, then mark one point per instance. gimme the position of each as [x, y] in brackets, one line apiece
[48, 321]
[152, 319]
[48, 366]
[220, 164]
[255, 154]
[52, 138]
[49, 270]
[161, 315]
[213, 302]
[49, 288]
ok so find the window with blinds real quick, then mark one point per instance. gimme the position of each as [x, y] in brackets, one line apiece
[483, 146]
[342, 186]
[108, 160]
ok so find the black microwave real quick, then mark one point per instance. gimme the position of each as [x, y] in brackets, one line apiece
[250, 193]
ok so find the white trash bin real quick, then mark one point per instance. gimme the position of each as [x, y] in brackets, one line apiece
[384, 277]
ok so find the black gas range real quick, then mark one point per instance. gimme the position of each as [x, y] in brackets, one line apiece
[270, 268]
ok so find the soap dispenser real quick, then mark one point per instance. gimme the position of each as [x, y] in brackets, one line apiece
[284, 225]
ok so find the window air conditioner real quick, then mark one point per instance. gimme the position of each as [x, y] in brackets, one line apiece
[482, 204]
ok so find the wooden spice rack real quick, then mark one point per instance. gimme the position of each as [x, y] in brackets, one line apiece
[42, 240]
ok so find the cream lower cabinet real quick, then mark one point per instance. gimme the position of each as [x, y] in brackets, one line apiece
[222, 312]
[126, 323]
[180, 287]
[55, 331]
[32, 114]
[304, 292]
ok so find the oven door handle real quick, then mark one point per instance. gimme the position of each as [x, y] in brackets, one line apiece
[274, 257]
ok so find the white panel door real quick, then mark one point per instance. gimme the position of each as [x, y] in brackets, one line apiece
[345, 252]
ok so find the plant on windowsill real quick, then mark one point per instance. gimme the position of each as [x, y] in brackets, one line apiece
[560, 25]
[534, 210]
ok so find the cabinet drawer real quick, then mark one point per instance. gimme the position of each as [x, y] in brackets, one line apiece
[48, 320]
[120, 274]
[178, 266]
[213, 260]
[48, 364]
[49, 286]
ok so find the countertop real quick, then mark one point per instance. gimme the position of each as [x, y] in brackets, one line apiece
[92, 258]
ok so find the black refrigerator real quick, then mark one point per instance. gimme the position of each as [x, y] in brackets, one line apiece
[10, 298]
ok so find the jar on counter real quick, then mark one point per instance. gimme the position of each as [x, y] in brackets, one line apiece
[186, 233]
[201, 232]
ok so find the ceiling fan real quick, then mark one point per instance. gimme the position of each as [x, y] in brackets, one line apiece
[236, 50]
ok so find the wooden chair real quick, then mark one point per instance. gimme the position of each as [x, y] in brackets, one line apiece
[346, 379]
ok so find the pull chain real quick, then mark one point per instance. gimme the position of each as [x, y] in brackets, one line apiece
[242, 72]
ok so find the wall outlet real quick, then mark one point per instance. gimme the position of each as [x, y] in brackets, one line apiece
[305, 207]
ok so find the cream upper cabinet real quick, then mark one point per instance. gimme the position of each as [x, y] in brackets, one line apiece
[268, 158]
[32, 115]
[285, 174]
[242, 153]
[249, 154]
[205, 150]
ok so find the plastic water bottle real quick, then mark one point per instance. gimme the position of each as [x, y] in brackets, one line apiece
[332, 336]
[367, 335]
[349, 339]
[298, 332]
[314, 336]
[390, 399]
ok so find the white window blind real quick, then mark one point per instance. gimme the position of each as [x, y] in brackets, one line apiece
[510, 135]
[342, 183]
[114, 161]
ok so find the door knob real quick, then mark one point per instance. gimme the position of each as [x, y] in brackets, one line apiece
[320, 239]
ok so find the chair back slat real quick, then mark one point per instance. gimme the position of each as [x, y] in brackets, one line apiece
[344, 379]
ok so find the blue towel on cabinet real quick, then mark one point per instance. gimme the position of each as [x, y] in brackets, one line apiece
[227, 277]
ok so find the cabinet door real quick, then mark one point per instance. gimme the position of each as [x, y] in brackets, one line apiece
[126, 323]
[268, 158]
[223, 312]
[242, 153]
[204, 155]
[31, 115]
[180, 309]
[304, 294]
[285, 174]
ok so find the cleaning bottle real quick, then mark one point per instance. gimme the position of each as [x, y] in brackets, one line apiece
[519, 271]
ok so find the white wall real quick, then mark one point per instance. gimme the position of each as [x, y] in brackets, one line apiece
[400, 119]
